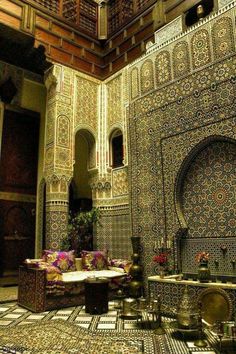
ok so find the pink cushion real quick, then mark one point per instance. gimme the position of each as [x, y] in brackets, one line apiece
[64, 261]
[94, 260]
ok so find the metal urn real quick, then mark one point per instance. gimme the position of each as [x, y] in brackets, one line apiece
[187, 313]
[136, 270]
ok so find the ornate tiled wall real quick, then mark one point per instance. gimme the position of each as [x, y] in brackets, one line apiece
[114, 232]
[208, 207]
[172, 294]
[172, 116]
[208, 192]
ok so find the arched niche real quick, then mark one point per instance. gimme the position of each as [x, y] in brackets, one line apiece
[206, 204]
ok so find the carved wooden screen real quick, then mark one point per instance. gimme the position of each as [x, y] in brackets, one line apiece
[118, 13]
[81, 12]
[87, 16]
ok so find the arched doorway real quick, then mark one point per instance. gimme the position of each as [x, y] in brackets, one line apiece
[80, 193]
[85, 160]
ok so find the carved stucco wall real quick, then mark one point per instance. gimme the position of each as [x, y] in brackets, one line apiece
[86, 103]
[58, 161]
[114, 102]
[112, 188]
[222, 3]
[191, 97]
[78, 102]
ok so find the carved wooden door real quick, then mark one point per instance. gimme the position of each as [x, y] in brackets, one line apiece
[18, 180]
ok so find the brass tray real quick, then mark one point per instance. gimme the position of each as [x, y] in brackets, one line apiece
[216, 305]
[174, 325]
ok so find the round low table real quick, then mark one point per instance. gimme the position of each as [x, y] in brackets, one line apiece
[96, 295]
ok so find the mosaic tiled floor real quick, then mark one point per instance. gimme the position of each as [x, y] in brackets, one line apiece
[74, 320]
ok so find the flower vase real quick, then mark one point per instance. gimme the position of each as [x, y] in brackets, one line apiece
[162, 272]
[204, 272]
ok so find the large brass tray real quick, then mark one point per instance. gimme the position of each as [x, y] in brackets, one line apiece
[216, 305]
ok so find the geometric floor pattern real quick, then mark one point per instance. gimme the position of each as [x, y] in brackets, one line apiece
[12, 314]
[60, 337]
[109, 325]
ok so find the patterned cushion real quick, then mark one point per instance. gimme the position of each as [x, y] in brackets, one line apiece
[120, 263]
[94, 260]
[64, 261]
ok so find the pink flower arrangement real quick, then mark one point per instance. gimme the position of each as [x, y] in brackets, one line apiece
[161, 259]
[202, 257]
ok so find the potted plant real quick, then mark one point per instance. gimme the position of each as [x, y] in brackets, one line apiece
[80, 230]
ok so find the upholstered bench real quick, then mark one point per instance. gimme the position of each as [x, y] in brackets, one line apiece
[43, 286]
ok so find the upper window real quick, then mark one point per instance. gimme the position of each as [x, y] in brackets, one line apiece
[198, 11]
[116, 144]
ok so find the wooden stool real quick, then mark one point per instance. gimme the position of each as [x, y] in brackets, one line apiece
[96, 295]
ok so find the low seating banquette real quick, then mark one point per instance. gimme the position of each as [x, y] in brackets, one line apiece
[57, 280]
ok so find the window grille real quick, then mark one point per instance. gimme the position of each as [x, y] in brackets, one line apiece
[51, 5]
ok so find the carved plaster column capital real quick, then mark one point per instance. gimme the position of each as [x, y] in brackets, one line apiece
[50, 79]
[55, 178]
